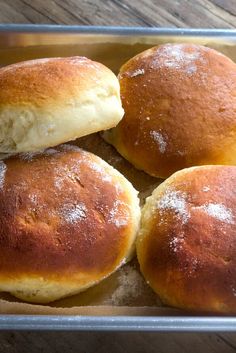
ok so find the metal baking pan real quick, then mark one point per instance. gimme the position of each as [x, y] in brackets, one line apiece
[111, 46]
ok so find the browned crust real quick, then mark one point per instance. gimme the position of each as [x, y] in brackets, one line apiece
[44, 81]
[36, 237]
[191, 103]
[192, 265]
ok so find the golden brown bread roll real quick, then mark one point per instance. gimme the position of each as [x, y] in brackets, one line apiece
[67, 220]
[46, 102]
[187, 243]
[180, 109]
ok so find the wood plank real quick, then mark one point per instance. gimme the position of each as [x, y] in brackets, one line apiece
[168, 13]
[85, 342]
[228, 6]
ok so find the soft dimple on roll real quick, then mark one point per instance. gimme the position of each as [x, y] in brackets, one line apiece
[46, 102]
[180, 109]
[187, 243]
[67, 220]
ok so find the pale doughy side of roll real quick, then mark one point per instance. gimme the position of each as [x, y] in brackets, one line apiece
[46, 102]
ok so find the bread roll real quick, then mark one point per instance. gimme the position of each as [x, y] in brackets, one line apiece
[180, 109]
[67, 220]
[187, 243]
[46, 102]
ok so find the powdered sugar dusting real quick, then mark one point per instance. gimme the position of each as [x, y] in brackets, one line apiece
[136, 73]
[234, 291]
[100, 168]
[96, 167]
[74, 213]
[3, 169]
[158, 137]
[176, 243]
[59, 182]
[33, 199]
[205, 189]
[193, 266]
[174, 200]
[218, 211]
[65, 173]
[175, 56]
[116, 216]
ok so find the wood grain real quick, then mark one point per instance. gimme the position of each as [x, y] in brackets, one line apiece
[168, 13]
[160, 13]
[45, 342]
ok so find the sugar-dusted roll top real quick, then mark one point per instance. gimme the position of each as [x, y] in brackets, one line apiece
[180, 109]
[67, 220]
[187, 243]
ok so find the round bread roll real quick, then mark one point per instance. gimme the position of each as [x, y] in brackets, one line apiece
[46, 102]
[187, 243]
[67, 221]
[180, 109]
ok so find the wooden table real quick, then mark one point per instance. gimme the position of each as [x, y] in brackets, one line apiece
[165, 13]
